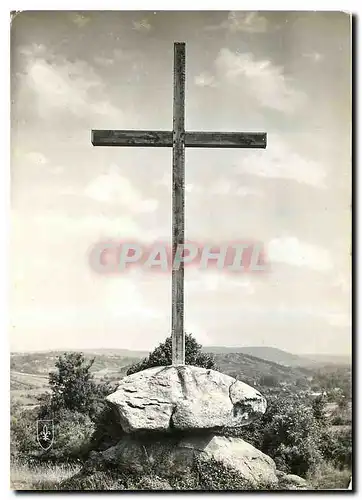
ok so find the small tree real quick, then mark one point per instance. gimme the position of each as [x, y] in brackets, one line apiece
[162, 356]
[291, 435]
[318, 407]
[269, 380]
[73, 388]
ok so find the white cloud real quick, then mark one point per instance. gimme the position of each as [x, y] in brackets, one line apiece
[245, 22]
[113, 187]
[142, 25]
[35, 49]
[205, 79]
[248, 191]
[225, 187]
[314, 56]
[68, 191]
[221, 187]
[122, 298]
[216, 281]
[338, 320]
[104, 61]
[56, 170]
[259, 80]
[166, 181]
[218, 187]
[192, 188]
[248, 22]
[292, 251]
[127, 54]
[279, 161]
[80, 20]
[90, 226]
[343, 283]
[36, 157]
[65, 86]
[200, 334]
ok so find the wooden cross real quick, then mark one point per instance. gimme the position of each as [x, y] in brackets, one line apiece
[178, 139]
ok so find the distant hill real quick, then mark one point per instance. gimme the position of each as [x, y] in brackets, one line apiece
[267, 353]
[251, 369]
[31, 370]
[273, 367]
[107, 363]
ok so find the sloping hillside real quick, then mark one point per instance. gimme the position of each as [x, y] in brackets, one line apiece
[267, 353]
[251, 369]
[41, 363]
[30, 371]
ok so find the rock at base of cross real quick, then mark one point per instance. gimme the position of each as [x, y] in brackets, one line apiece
[185, 398]
[206, 462]
[174, 457]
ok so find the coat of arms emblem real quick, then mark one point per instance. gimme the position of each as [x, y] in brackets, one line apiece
[45, 433]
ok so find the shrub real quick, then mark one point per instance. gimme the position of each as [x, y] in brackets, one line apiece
[337, 447]
[206, 476]
[289, 433]
[162, 356]
[72, 436]
[23, 443]
[328, 477]
[337, 420]
[269, 380]
[318, 407]
[73, 388]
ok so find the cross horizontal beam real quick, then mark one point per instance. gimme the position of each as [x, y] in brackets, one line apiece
[225, 139]
[160, 138]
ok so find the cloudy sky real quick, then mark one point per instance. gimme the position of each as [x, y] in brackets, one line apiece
[287, 74]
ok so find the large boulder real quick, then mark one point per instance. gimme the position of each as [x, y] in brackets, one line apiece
[182, 398]
[214, 459]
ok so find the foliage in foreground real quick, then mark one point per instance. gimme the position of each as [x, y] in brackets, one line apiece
[327, 477]
[294, 432]
[297, 437]
[74, 388]
[210, 476]
[214, 477]
[76, 403]
[41, 476]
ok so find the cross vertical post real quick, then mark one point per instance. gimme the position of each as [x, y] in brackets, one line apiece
[178, 204]
[178, 139]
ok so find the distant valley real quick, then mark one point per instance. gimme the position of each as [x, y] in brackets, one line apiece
[253, 365]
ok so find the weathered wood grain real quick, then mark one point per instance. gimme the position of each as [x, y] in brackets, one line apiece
[178, 203]
[225, 140]
[145, 138]
[163, 138]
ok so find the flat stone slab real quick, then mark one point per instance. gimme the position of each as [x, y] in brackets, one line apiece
[175, 398]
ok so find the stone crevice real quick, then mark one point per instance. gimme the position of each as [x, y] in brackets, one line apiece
[185, 398]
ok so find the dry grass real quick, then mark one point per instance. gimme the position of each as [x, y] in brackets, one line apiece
[39, 477]
[328, 477]
[48, 477]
